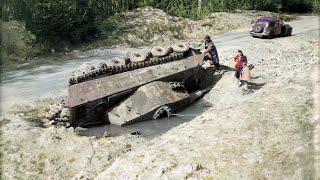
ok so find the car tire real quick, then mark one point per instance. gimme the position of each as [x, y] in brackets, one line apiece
[271, 35]
[258, 29]
[288, 31]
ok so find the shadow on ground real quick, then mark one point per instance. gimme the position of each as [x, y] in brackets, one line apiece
[255, 86]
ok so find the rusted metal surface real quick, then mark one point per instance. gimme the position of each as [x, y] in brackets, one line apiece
[84, 92]
[153, 101]
[114, 94]
[105, 70]
[148, 98]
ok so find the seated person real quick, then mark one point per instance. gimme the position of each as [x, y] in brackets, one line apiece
[210, 53]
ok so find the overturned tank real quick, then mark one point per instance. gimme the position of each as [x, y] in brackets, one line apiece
[148, 86]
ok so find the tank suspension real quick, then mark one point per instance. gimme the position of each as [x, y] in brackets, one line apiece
[105, 70]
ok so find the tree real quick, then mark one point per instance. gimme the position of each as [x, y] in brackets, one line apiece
[199, 7]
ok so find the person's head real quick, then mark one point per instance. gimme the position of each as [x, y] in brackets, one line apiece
[207, 38]
[240, 53]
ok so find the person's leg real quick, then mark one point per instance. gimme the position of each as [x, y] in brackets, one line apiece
[245, 88]
[245, 85]
[216, 63]
[237, 73]
[209, 55]
[205, 58]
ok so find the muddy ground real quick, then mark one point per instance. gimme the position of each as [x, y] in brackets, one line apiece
[270, 132]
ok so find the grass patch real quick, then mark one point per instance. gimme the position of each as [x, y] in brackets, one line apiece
[288, 17]
[36, 114]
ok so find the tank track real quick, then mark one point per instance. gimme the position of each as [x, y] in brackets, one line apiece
[105, 70]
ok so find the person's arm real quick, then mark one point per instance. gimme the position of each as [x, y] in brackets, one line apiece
[208, 49]
[245, 59]
[235, 58]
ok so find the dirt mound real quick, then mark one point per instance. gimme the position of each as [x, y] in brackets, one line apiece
[148, 25]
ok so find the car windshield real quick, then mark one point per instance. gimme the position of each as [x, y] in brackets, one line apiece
[266, 23]
[262, 22]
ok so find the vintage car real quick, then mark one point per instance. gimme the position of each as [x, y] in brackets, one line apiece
[270, 27]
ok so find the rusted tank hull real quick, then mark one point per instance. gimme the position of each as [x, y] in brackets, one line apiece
[110, 85]
[91, 101]
[155, 100]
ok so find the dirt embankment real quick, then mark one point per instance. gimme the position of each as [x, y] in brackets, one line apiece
[147, 26]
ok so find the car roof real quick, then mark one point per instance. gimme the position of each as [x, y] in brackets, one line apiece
[268, 19]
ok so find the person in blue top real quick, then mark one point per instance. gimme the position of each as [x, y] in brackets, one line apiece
[210, 53]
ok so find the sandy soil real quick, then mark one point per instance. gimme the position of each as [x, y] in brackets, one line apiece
[271, 132]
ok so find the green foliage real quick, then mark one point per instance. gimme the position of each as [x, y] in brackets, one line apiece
[189, 8]
[301, 6]
[36, 114]
[64, 22]
[16, 41]
[61, 22]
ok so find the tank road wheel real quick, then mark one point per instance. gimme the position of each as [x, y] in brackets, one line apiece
[180, 47]
[159, 51]
[162, 111]
[99, 110]
[137, 56]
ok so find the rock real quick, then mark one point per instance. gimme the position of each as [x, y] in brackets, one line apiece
[81, 131]
[75, 51]
[83, 69]
[54, 110]
[65, 112]
[106, 134]
[53, 122]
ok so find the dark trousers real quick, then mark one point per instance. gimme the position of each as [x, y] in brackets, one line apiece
[214, 61]
[237, 73]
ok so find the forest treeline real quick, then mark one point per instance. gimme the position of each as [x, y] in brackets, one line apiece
[74, 21]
